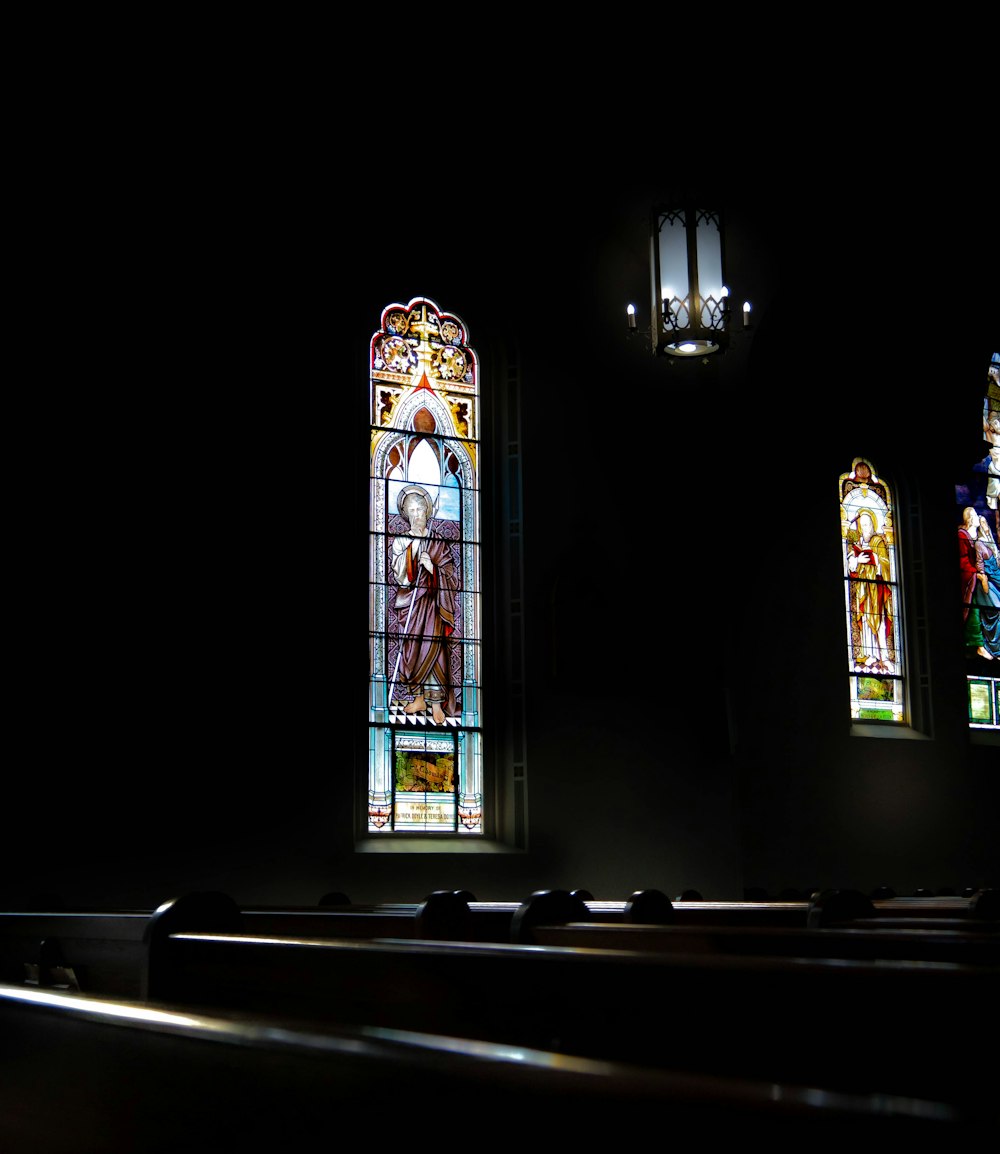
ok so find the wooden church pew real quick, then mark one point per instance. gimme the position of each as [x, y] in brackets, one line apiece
[442, 915]
[111, 1076]
[783, 1019]
[841, 924]
[925, 908]
[105, 952]
[728, 913]
[962, 946]
[650, 906]
[490, 920]
[851, 908]
[602, 1010]
[458, 916]
[838, 924]
[102, 952]
[689, 912]
[843, 907]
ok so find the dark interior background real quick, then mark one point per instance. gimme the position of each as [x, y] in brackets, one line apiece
[189, 519]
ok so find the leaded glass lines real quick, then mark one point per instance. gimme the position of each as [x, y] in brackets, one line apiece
[872, 596]
[978, 510]
[425, 737]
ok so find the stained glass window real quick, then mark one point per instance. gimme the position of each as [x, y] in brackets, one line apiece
[979, 566]
[875, 658]
[425, 763]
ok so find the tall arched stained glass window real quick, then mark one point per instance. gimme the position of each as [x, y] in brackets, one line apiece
[875, 658]
[425, 760]
[979, 566]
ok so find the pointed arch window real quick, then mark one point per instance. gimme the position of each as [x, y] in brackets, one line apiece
[425, 754]
[874, 607]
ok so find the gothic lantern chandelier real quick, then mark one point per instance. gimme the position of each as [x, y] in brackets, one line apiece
[691, 311]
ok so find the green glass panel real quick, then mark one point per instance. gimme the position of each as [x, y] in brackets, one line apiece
[980, 703]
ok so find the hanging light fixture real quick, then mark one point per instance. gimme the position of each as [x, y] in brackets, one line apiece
[691, 306]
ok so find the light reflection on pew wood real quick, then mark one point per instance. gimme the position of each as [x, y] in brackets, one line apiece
[93, 1074]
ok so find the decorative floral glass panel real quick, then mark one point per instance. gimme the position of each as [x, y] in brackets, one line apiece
[425, 738]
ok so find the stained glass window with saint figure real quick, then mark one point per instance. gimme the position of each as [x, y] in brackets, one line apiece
[872, 598]
[978, 508]
[425, 765]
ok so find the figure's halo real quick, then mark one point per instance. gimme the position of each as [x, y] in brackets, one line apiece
[405, 492]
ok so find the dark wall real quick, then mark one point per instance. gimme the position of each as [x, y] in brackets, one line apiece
[190, 664]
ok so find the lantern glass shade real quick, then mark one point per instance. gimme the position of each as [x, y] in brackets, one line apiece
[674, 282]
[689, 281]
[709, 264]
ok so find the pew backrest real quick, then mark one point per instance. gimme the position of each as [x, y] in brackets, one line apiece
[782, 1018]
